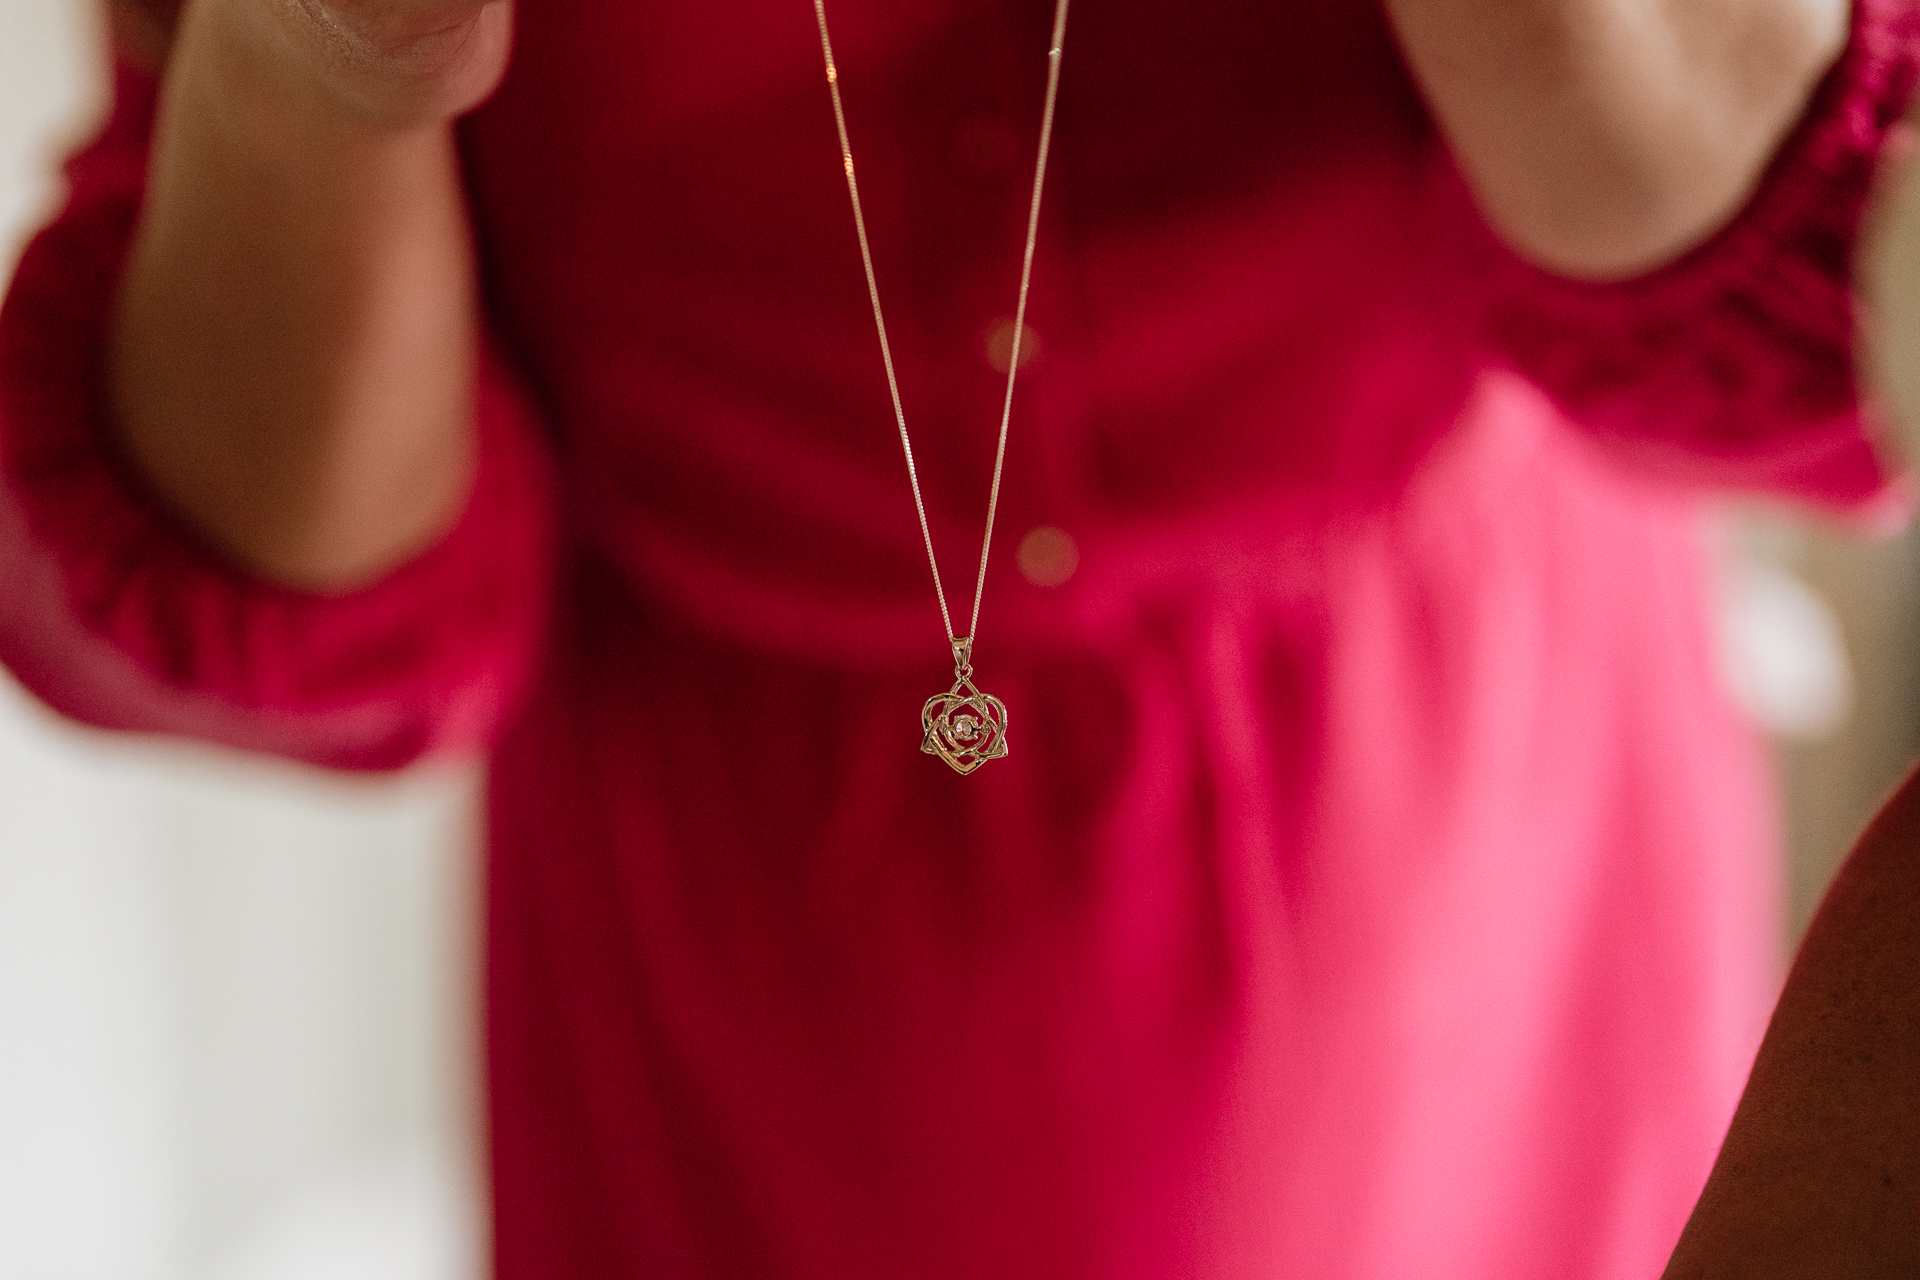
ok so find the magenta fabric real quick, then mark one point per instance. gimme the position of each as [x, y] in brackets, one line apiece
[1378, 885]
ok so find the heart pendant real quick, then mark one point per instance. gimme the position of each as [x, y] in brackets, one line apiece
[964, 727]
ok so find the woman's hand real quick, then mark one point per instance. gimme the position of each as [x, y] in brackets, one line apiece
[294, 350]
[1603, 137]
[382, 64]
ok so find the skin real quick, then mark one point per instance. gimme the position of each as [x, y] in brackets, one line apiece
[292, 360]
[1603, 137]
[1820, 1174]
[293, 356]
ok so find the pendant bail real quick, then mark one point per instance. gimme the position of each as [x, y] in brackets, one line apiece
[963, 657]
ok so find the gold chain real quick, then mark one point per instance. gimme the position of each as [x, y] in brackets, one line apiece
[1019, 317]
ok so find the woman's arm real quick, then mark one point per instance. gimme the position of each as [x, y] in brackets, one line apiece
[1820, 1174]
[292, 363]
[1603, 137]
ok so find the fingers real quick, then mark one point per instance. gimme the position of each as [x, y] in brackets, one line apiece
[388, 63]
[405, 33]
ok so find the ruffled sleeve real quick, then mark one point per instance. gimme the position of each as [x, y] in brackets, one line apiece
[1734, 365]
[114, 614]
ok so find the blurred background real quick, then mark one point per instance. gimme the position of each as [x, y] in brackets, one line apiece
[237, 998]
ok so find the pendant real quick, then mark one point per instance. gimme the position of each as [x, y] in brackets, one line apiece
[964, 726]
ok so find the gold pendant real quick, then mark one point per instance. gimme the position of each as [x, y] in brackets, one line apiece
[964, 726]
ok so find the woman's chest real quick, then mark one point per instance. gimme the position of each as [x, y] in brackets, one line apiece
[642, 151]
[1229, 228]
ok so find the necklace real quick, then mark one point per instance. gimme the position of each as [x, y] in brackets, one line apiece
[962, 726]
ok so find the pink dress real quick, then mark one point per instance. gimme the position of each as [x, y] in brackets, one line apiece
[1378, 885]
